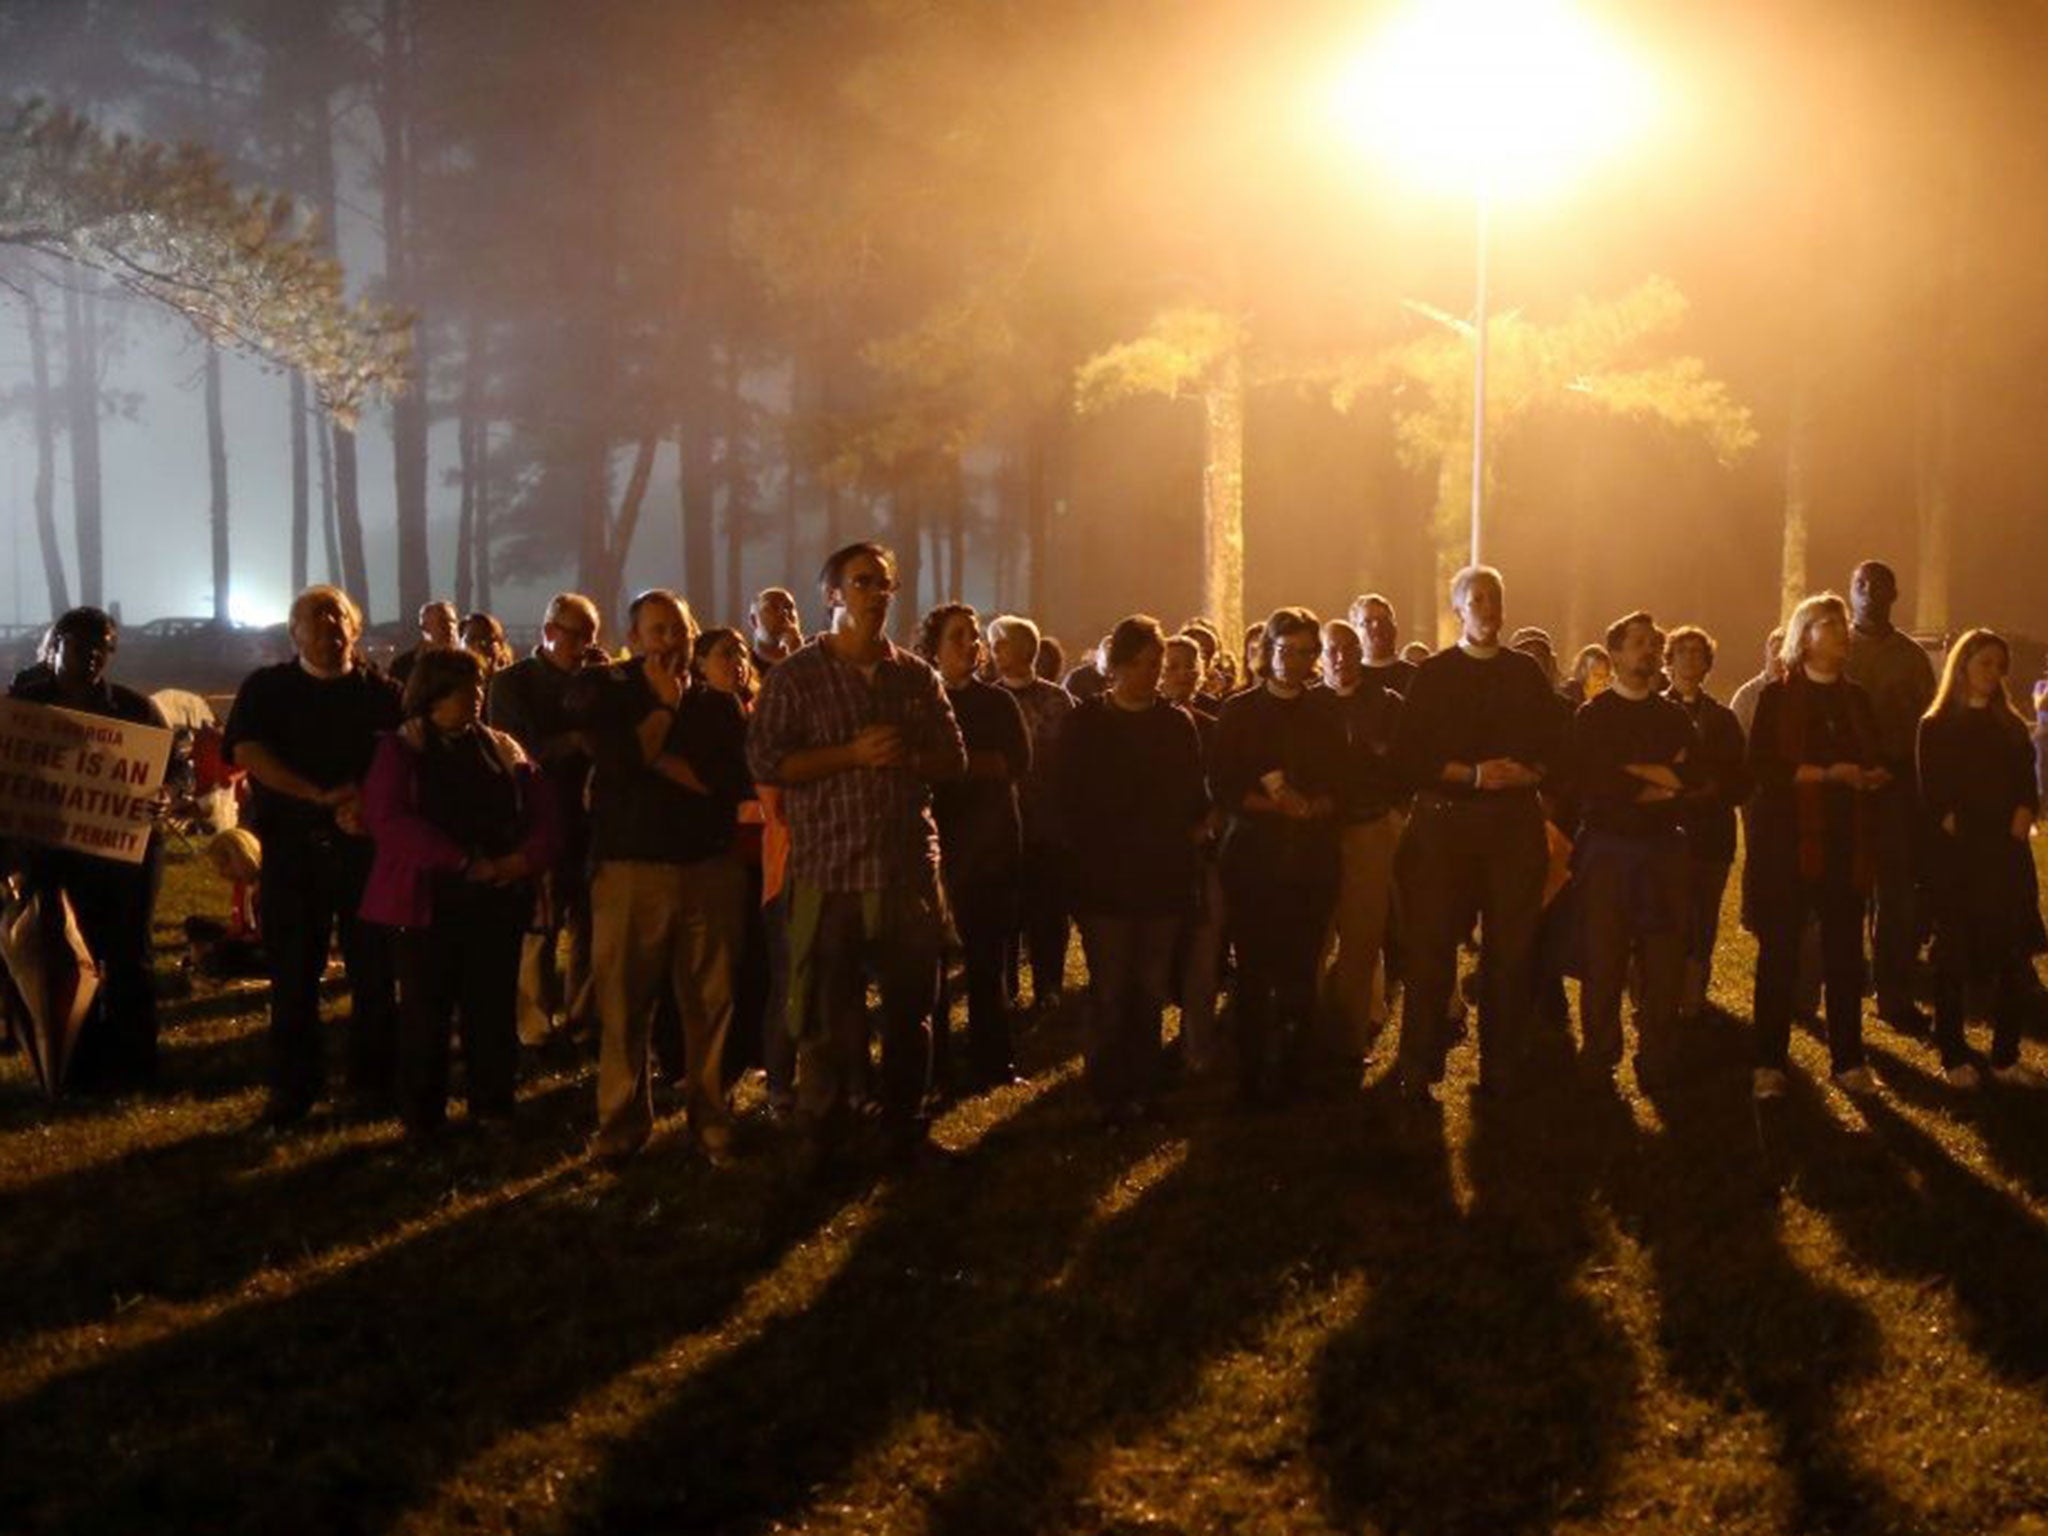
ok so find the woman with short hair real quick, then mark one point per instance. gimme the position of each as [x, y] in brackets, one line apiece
[1977, 785]
[462, 830]
[1813, 752]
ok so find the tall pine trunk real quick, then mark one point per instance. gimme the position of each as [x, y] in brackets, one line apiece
[217, 484]
[695, 482]
[480, 514]
[1037, 521]
[45, 414]
[329, 539]
[409, 410]
[339, 442]
[465, 516]
[302, 499]
[739, 489]
[82, 409]
[1223, 408]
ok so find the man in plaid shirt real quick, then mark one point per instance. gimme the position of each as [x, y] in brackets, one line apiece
[854, 731]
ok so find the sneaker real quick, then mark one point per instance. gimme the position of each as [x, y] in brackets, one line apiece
[2020, 1075]
[1857, 1082]
[1964, 1077]
[1767, 1083]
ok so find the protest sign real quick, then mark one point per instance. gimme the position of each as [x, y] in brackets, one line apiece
[81, 782]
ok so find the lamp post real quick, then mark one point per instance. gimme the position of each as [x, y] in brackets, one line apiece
[1501, 100]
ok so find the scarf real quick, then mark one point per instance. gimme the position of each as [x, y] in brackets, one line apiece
[1810, 800]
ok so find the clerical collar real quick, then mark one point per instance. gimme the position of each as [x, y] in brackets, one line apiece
[1479, 652]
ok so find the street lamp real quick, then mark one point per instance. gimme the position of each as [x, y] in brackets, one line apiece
[1498, 100]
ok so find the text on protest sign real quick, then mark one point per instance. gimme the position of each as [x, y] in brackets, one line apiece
[76, 781]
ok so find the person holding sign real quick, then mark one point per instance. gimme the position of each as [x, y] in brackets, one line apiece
[113, 900]
[305, 730]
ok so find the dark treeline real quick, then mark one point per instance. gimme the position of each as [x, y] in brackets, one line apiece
[1015, 285]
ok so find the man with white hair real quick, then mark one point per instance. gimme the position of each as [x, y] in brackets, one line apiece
[304, 730]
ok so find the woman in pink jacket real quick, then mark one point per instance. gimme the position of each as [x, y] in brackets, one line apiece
[461, 832]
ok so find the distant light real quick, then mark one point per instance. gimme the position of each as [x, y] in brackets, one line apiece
[258, 610]
[1510, 98]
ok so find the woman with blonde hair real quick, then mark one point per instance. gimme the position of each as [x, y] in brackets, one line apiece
[1977, 783]
[1814, 753]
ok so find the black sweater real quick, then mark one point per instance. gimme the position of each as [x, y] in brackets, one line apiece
[1303, 738]
[1130, 789]
[1462, 709]
[1610, 733]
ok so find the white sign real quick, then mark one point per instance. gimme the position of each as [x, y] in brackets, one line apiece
[77, 781]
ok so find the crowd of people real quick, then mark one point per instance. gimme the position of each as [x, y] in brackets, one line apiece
[703, 854]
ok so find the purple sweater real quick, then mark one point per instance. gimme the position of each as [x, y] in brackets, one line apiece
[411, 850]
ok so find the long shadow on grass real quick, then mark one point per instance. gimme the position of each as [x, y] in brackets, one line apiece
[2013, 1126]
[1260, 1212]
[949, 1303]
[1941, 1223]
[1481, 1389]
[337, 1407]
[1741, 1324]
[199, 1216]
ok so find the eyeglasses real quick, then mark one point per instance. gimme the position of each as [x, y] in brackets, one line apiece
[870, 583]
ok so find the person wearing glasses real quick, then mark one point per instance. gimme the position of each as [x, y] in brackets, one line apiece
[529, 703]
[1279, 767]
[855, 732]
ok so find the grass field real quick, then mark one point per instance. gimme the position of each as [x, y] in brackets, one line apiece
[1567, 1315]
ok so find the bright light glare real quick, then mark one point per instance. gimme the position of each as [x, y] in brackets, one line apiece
[1509, 98]
[253, 609]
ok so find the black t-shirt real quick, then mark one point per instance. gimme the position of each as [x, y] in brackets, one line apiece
[324, 729]
[979, 831]
[637, 813]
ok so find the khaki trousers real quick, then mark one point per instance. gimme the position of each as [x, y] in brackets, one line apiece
[1355, 985]
[656, 926]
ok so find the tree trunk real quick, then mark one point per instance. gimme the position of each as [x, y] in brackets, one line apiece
[46, 454]
[302, 500]
[465, 517]
[739, 489]
[1223, 406]
[480, 515]
[1798, 452]
[695, 482]
[1038, 522]
[217, 484]
[956, 530]
[906, 526]
[82, 405]
[604, 582]
[348, 520]
[330, 543]
[346, 564]
[409, 410]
